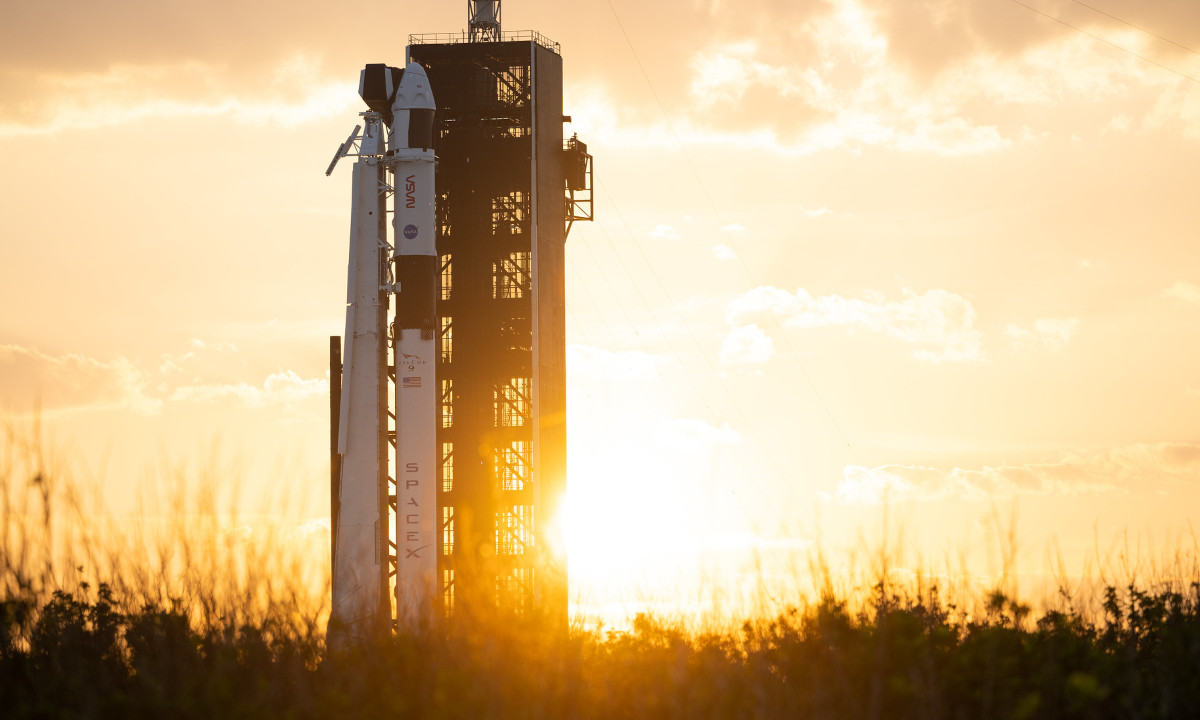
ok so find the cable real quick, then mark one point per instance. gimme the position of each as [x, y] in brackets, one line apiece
[1136, 27]
[1107, 42]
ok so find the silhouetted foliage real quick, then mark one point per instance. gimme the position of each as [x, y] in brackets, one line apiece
[130, 649]
[896, 658]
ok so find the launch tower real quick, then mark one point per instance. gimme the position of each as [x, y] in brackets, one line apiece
[508, 189]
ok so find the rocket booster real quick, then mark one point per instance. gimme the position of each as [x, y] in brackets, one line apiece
[415, 335]
[360, 605]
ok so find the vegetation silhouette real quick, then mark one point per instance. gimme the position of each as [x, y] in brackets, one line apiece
[153, 639]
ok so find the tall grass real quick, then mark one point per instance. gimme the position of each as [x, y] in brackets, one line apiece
[200, 613]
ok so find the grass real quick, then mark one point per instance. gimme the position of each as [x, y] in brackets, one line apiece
[185, 619]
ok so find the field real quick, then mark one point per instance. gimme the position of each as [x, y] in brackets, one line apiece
[160, 624]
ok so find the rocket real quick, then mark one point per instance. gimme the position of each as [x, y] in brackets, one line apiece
[360, 593]
[401, 107]
[415, 336]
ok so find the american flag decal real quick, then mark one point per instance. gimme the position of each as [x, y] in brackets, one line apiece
[410, 382]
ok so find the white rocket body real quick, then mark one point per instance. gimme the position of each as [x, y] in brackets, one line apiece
[416, 336]
[358, 594]
[361, 606]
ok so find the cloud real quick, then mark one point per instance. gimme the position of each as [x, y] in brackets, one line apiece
[1141, 467]
[664, 232]
[854, 97]
[1184, 291]
[723, 252]
[940, 76]
[940, 323]
[945, 77]
[292, 93]
[31, 379]
[1052, 333]
[747, 345]
[284, 388]
[72, 34]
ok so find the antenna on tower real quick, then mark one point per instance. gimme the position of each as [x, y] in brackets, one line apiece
[483, 20]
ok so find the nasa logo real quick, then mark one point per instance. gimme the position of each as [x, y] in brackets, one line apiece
[410, 189]
[410, 231]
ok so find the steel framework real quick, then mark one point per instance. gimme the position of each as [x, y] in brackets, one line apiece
[505, 202]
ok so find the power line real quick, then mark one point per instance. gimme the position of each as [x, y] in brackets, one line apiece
[1136, 27]
[1107, 42]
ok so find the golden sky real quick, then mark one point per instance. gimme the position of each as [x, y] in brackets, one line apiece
[941, 252]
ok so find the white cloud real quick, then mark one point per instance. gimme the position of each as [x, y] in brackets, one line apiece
[855, 95]
[1184, 291]
[940, 323]
[282, 387]
[664, 232]
[30, 378]
[946, 78]
[1143, 466]
[123, 94]
[723, 252]
[1052, 333]
[724, 76]
[747, 345]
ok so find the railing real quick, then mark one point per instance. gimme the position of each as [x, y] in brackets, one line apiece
[463, 37]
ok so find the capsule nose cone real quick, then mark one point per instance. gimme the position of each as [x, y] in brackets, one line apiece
[414, 92]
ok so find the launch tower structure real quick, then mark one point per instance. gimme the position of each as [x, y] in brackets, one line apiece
[508, 189]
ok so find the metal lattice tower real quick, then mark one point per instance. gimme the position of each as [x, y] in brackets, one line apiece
[508, 189]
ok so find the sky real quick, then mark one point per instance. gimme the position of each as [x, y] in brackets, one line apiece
[931, 261]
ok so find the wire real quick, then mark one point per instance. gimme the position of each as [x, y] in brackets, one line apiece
[1136, 27]
[1108, 42]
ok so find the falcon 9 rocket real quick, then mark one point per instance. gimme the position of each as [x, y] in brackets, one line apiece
[401, 105]
[411, 159]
